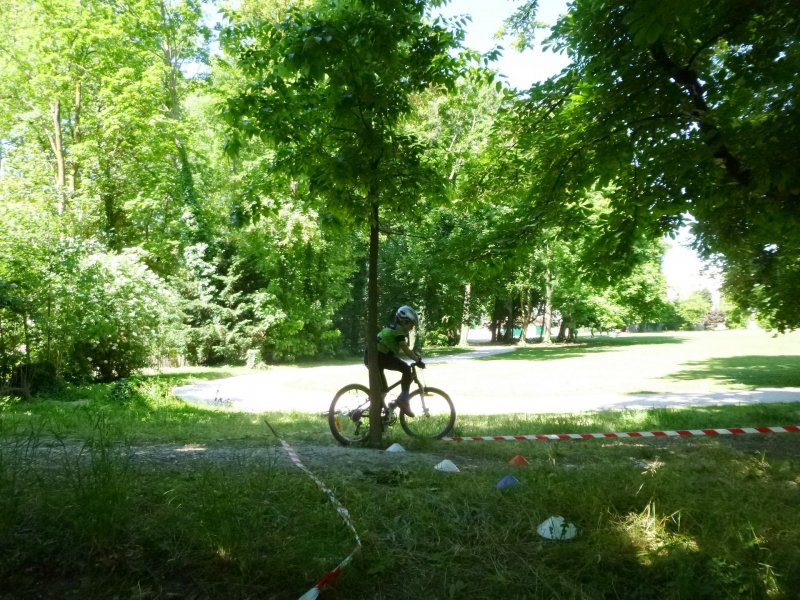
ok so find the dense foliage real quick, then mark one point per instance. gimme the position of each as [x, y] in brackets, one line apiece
[691, 110]
[160, 203]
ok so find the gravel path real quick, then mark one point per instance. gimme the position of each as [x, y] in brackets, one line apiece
[58, 455]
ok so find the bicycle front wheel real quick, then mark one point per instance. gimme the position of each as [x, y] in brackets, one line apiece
[434, 413]
[348, 416]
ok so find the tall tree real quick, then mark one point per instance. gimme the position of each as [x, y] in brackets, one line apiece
[419, 262]
[174, 34]
[329, 88]
[692, 108]
[95, 90]
[44, 79]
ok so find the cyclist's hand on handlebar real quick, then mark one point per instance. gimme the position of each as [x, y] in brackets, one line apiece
[420, 364]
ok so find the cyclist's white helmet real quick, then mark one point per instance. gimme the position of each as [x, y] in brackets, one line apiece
[406, 314]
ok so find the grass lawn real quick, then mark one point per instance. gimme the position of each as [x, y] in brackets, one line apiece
[122, 491]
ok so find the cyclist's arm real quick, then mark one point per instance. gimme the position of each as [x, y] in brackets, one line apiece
[409, 352]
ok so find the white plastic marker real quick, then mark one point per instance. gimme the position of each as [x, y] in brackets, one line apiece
[556, 528]
[447, 466]
[627, 434]
[330, 576]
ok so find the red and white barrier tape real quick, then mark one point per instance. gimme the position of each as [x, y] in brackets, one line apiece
[626, 434]
[330, 576]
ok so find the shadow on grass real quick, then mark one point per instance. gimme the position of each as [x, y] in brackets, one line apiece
[754, 371]
[590, 346]
[183, 377]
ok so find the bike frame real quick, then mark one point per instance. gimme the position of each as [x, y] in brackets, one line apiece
[345, 419]
[388, 388]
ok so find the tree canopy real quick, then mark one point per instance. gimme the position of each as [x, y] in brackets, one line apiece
[690, 109]
[161, 203]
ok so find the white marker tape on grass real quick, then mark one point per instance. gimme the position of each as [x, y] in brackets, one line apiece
[627, 434]
[329, 577]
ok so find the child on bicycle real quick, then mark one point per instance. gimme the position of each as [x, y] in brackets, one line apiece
[392, 340]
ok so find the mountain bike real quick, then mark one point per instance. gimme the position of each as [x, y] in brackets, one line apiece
[348, 416]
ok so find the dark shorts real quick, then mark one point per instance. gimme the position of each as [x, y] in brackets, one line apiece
[393, 363]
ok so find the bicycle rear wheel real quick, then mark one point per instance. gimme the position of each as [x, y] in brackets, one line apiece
[434, 413]
[348, 416]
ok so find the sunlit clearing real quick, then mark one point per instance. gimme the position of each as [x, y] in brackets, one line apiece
[647, 531]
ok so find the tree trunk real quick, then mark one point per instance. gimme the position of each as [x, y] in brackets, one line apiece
[547, 322]
[74, 175]
[508, 336]
[3, 364]
[57, 144]
[526, 314]
[562, 330]
[497, 321]
[463, 339]
[375, 379]
[113, 223]
[185, 171]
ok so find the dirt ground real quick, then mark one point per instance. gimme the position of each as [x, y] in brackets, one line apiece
[328, 458]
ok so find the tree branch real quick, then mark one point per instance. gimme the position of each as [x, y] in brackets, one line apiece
[687, 78]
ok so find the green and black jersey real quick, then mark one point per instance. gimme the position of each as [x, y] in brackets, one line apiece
[390, 338]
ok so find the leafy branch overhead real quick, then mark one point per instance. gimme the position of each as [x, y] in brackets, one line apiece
[690, 109]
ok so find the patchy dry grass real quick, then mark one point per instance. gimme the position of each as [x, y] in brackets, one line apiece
[132, 494]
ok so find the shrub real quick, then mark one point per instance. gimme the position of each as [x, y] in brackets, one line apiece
[83, 312]
[117, 317]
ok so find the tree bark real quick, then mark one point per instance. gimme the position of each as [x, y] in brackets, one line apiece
[463, 339]
[562, 330]
[508, 335]
[171, 57]
[526, 314]
[375, 379]
[547, 322]
[74, 175]
[57, 144]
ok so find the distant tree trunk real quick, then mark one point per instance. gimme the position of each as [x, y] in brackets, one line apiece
[562, 330]
[57, 145]
[547, 322]
[526, 314]
[509, 333]
[74, 175]
[171, 58]
[375, 379]
[4, 366]
[566, 333]
[497, 320]
[463, 339]
[113, 225]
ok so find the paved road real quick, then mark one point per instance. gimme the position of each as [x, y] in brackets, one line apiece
[295, 388]
[310, 389]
